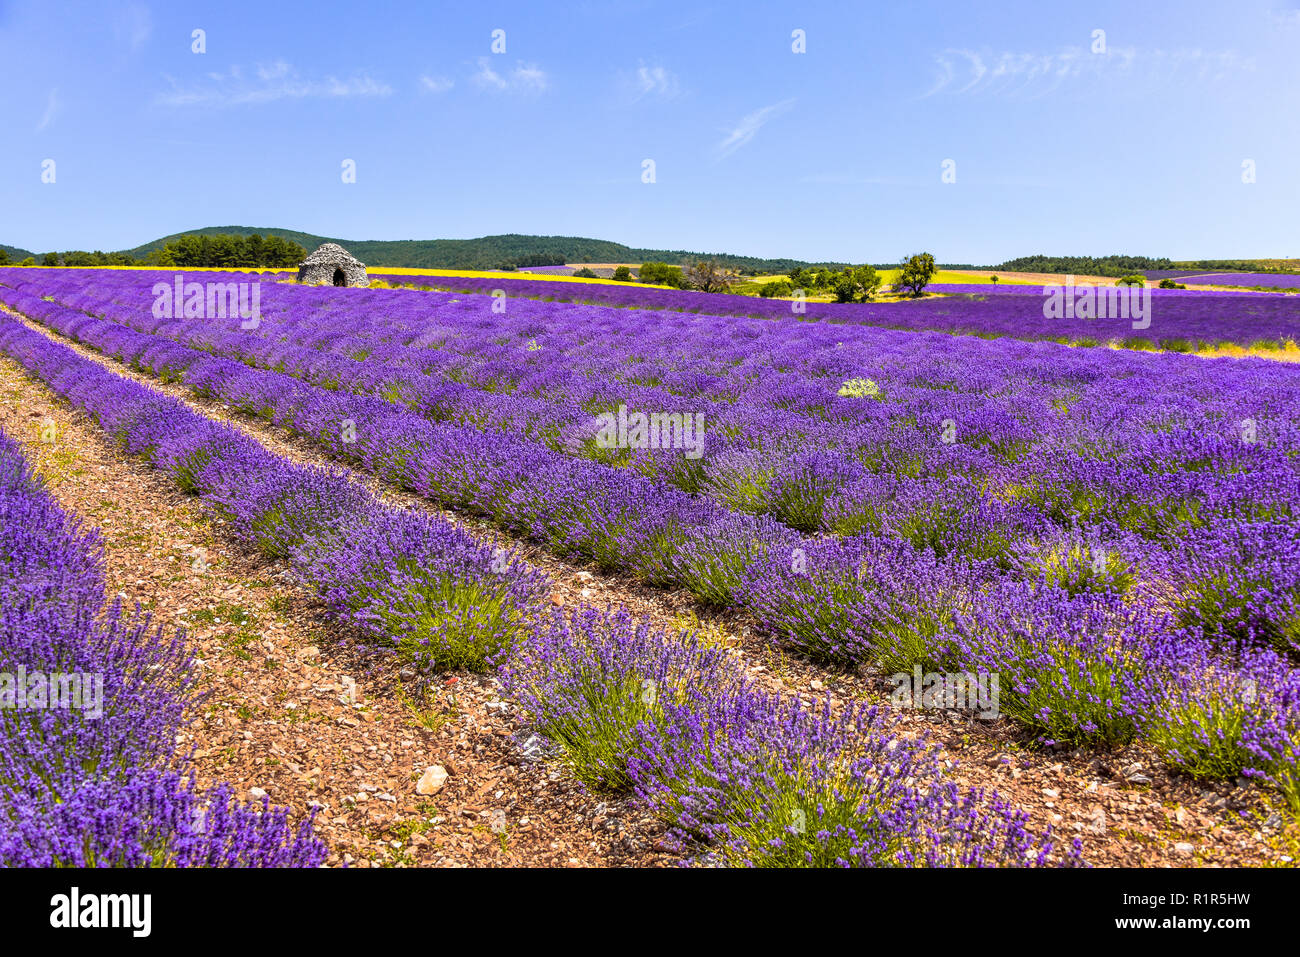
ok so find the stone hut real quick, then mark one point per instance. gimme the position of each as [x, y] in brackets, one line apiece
[332, 265]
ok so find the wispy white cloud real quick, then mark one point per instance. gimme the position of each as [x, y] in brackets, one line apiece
[269, 82]
[274, 71]
[1288, 17]
[748, 128]
[435, 84]
[971, 71]
[961, 71]
[133, 25]
[523, 78]
[655, 81]
[488, 77]
[529, 77]
[976, 66]
[51, 110]
[1203, 64]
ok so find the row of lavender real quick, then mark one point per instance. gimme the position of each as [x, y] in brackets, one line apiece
[1175, 319]
[1248, 280]
[544, 372]
[1180, 320]
[91, 705]
[753, 779]
[446, 361]
[1092, 655]
[1197, 458]
[1189, 478]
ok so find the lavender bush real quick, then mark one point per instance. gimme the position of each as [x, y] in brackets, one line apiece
[598, 686]
[95, 783]
[1222, 717]
[765, 781]
[443, 601]
[1077, 669]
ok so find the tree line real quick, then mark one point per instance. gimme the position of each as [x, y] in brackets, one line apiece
[856, 283]
[1086, 265]
[850, 284]
[75, 257]
[222, 251]
[1235, 265]
[705, 275]
[230, 251]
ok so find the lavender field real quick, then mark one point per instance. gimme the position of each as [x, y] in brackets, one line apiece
[1112, 534]
[1247, 279]
[1195, 277]
[1183, 320]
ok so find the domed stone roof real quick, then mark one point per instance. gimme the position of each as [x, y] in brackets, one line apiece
[332, 265]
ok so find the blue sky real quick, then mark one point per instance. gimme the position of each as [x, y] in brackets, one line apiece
[836, 153]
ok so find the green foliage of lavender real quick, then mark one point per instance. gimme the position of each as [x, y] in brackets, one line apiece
[597, 685]
[1074, 669]
[760, 781]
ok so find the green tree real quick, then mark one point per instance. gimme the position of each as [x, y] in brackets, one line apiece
[252, 254]
[622, 274]
[29, 261]
[856, 284]
[585, 273]
[281, 253]
[777, 287]
[230, 251]
[165, 257]
[801, 277]
[50, 259]
[1088, 265]
[4, 258]
[661, 274]
[708, 276]
[916, 273]
[825, 278]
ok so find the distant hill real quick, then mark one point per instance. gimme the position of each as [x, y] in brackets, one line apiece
[307, 240]
[488, 252]
[1153, 268]
[15, 253]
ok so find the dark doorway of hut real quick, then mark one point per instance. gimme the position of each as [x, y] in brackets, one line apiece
[339, 279]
